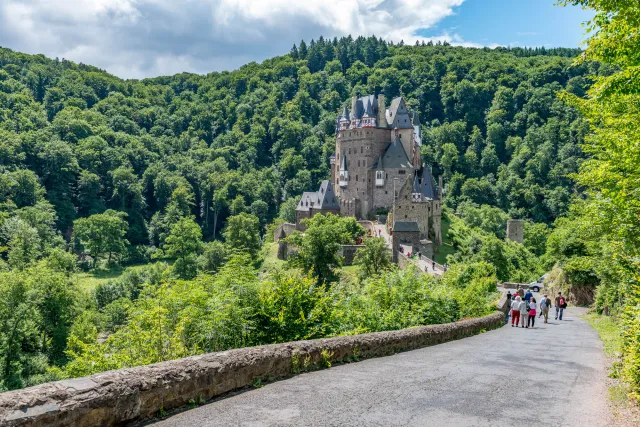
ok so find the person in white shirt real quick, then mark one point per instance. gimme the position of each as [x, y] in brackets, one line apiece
[515, 311]
[524, 313]
[532, 312]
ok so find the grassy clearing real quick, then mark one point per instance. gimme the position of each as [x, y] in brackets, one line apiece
[447, 245]
[609, 332]
[270, 255]
[89, 280]
[350, 273]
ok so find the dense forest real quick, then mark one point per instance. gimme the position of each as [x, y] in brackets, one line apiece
[186, 174]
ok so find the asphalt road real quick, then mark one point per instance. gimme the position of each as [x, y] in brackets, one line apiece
[552, 375]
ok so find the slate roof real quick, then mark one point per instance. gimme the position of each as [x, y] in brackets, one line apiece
[424, 184]
[398, 115]
[415, 118]
[394, 157]
[369, 111]
[324, 199]
[345, 114]
[361, 105]
[406, 226]
[428, 184]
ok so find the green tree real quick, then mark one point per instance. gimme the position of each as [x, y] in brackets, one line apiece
[374, 257]
[102, 234]
[214, 255]
[184, 243]
[320, 245]
[242, 233]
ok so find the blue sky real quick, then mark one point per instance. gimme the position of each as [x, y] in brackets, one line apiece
[147, 38]
[515, 23]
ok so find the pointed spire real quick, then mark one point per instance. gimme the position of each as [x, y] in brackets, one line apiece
[345, 114]
[369, 111]
[416, 184]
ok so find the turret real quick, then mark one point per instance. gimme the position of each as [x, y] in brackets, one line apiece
[368, 119]
[354, 120]
[344, 119]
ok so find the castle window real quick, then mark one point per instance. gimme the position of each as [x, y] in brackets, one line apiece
[356, 178]
[402, 171]
[349, 150]
[361, 148]
[405, 217]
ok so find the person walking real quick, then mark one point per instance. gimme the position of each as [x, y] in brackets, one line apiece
[531, 321]
[524, 313]
[561, 304]
[515, 311]
[528, 296]
[506, 314]
[545, 305]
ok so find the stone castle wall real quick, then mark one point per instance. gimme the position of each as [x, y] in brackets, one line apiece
[288, 229]
[137, 394]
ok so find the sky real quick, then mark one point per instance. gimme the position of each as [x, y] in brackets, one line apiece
[148, 38]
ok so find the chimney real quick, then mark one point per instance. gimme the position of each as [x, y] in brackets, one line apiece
[382, 118]
[354, 99]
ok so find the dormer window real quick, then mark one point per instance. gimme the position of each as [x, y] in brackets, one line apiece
[379, 178]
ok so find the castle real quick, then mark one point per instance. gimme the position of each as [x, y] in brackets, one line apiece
[376, 169]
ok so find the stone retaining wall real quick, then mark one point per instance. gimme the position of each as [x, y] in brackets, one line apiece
[129, 395]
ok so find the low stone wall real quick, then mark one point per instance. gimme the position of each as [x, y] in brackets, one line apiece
[349, 253]
[288, 229]
[130, 395]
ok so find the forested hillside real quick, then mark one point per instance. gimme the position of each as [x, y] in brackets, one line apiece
[85, 141]
[97, 171]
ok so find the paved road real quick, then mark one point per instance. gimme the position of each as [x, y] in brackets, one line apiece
[552, 375]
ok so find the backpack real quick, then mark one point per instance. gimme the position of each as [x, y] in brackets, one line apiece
[527, 306]
[563, 303]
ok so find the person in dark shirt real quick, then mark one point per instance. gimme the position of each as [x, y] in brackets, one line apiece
[527, 296]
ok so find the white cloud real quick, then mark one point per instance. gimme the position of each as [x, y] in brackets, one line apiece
[142, 38]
